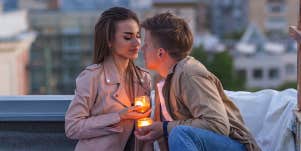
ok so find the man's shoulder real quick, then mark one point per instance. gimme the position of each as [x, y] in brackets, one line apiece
[191, 66]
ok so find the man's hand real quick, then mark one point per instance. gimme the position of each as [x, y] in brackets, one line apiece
[150, 133]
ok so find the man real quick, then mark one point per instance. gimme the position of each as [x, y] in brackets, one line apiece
[196, 113]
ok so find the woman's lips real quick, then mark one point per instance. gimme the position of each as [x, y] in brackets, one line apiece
[135, 50]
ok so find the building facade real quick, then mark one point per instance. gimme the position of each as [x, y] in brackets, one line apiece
[193, 11]
[62, 49]
[15, 43]
[228, 16]
[273, 16]
[265, 63]
[267, 71]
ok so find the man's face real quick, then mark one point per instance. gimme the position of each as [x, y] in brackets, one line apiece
[150, 52]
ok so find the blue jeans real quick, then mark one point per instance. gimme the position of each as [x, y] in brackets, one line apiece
[187, 138]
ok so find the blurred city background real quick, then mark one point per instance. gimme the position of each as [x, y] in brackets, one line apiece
[44, 44]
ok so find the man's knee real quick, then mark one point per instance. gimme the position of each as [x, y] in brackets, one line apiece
[187, 131]
[178, 135]
[182, 131]
[185, 136]
[178, 131]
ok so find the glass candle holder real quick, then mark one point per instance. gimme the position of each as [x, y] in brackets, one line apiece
[144, 122]
[143, 103]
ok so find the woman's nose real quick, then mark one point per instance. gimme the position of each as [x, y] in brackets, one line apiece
[137, 41]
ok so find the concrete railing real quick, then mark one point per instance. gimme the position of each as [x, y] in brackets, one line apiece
[34, 122]
[34, 107]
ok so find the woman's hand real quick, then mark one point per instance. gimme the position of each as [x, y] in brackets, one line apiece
[131, 114]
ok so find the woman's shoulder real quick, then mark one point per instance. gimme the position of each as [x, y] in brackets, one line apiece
[93, 67]
[90, 72]
[143, 71]
[146, 75]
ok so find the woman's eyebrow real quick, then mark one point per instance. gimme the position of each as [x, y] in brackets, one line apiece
[130, 33]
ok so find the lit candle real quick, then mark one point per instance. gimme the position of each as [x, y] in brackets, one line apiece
[144, 122]
[143, 103]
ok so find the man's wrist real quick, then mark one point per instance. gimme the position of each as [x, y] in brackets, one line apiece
[164, 125]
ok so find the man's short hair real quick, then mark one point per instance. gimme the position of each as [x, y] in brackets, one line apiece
[171, 33]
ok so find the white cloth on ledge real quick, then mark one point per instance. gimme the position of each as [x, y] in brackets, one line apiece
[269, 116]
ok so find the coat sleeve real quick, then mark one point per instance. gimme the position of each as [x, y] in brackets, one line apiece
[200, 96]
[79, 123]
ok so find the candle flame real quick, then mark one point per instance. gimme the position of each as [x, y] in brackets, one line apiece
[144, 122]
[142, 102]
[138, 103]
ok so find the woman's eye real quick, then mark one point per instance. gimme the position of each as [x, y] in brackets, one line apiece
[127, 38]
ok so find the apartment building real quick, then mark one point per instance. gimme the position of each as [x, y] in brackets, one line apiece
[194, 12]
[15, 43]
[62, 49]
[228, 16]
[273, 16]
[265, 63]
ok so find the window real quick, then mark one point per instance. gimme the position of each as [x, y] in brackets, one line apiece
[242, 73]
[276, 22]
[278, 7]
[290, 69]
[273, 73]
[257, 74]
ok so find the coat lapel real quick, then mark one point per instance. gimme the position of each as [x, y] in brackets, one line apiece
[112, 77]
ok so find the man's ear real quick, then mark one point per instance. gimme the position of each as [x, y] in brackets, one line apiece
[161, 52]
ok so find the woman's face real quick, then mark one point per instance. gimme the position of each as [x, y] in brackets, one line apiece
[127, 41]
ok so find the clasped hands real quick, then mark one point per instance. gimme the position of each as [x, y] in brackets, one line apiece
[146, 133]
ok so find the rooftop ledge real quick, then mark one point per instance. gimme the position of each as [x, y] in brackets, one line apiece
[35, 108]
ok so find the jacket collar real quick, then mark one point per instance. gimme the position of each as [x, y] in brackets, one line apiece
[112, 75]
[178, 64]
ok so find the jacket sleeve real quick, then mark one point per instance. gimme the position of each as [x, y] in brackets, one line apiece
[79, 123]
[200, 96]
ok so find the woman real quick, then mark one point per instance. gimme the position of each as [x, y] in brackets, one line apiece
[101, 115]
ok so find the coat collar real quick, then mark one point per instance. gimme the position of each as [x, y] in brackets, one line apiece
[112, 75]
[179, 64]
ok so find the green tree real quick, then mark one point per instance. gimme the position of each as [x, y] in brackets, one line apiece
[234, 35]
[221, 64]
[287, 85]
[199, 54]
